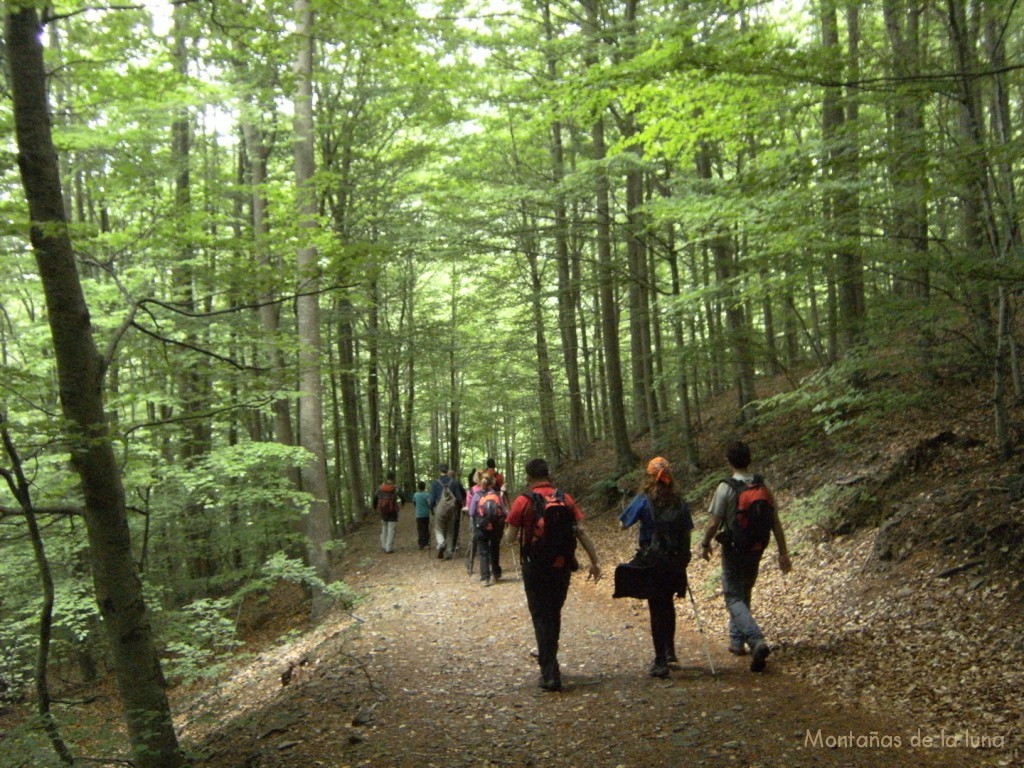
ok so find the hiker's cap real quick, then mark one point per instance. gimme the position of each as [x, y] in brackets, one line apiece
[658, 467]
[442, 468]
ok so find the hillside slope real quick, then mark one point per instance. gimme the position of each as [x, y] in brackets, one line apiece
[907, 589]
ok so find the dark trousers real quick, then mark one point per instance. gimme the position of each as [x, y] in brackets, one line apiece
[662, 608]
[546, 590]
[489, 546]
[423, 532]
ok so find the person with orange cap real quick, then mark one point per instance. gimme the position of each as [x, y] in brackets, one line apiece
[663, 552]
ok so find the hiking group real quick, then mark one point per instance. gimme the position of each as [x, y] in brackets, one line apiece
[545, 524]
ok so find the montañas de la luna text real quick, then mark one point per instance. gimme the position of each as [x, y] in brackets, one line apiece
[943, 739]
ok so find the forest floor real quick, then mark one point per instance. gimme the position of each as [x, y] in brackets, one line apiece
[430, 668]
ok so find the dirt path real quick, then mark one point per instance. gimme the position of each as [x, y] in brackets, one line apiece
[433, 669]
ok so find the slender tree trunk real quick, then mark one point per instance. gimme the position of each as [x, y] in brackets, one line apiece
[192, 386]
[608, 308]
[963, 39]
[454, 380]
[375, 446]
[686, 416]
[978, 219]
[1006, 226]
[80, 376]
[567, 287]
[735, 318]
[21, 490]
[407, 444]
[347, 375]
[642, 367]
[839, 166]
[318, 528]
[258, 153]
[545, 387]
[625, 457]
[908, 169]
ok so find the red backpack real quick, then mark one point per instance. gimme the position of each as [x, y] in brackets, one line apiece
[387, 502]
[490, 513]
[748, 525]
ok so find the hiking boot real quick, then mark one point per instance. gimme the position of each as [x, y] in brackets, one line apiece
[738, 650]
[760, 656]
[440, 553]
[553, 686]
[491, 582]
[659, 669]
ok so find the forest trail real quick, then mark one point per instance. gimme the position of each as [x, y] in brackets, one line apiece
[430, 668]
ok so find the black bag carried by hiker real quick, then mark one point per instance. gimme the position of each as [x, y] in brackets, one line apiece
[661, 563]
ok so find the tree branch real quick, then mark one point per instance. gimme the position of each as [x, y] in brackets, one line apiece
[59, 511]
[209, 353]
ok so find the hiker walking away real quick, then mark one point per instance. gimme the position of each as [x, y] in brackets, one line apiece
[487, 513]
[447, 497]
[422, 501]
[547, 523]
[387, 501]
[743, 518]
[663, 552]
[499, 479]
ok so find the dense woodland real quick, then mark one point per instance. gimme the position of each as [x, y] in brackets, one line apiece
[258, 254]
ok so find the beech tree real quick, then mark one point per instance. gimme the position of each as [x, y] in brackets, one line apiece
[80, 370]
[318, 525]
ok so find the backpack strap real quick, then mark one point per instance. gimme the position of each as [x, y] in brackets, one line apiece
[732, 507]
[735, 483]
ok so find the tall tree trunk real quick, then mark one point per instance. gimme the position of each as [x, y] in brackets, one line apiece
[615, 403]
[80, 372]
[348, 383]
[454, 379]
[545, 387]
[908, 169]
[317, 523]
[409, 334]
[840, 165]
[963, 39]
[568, 292]
[640, 346]
[964, 31]
[739, 336]
[625, 457]
[374, 443]
[682, 378]
[1006, 223]
[192, 375]
[21, 489]
[257, 152]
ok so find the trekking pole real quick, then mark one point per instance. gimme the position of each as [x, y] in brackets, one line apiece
[700, 628]
[515, 560]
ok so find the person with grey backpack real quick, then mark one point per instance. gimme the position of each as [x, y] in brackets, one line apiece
[743, 519]
[447, 498]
